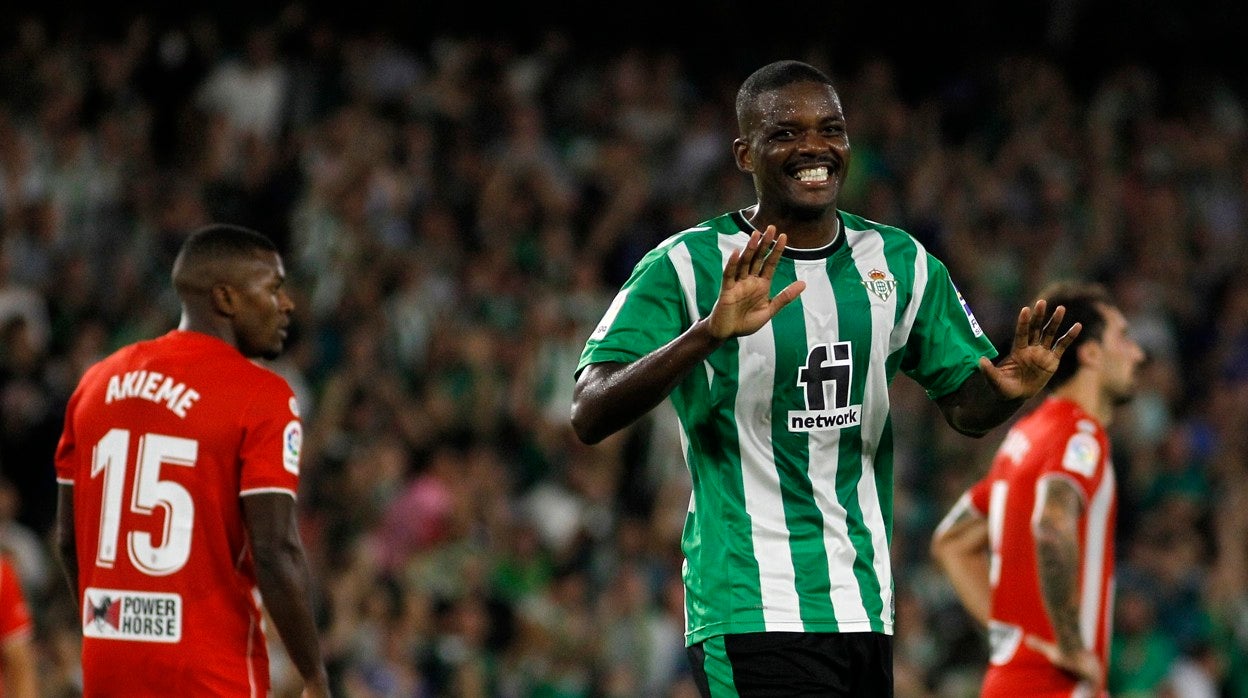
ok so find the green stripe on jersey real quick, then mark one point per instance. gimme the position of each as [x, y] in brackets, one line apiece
[787, 431]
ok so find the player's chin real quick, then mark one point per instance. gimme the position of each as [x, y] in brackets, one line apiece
[273, 348]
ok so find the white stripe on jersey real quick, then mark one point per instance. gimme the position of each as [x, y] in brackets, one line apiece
[756, 355]
[868, 254]
[905, 323]
[1095, 540]
[823, 326]
[682, 261]
[683, 264]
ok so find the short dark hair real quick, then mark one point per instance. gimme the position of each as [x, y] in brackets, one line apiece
[774, 76]
[217, 242]
[1085, 303]
[224, 239]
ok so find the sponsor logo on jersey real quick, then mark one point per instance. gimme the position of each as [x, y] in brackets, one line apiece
[966, 308]
[142, 616]
[880, 284]
[825, 382]
[1003, 641]
[292, 445]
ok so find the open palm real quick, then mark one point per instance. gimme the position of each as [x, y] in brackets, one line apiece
[1035, 355]
[745, 302]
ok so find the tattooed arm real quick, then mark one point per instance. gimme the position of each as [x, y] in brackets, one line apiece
[1056, 530]
[960, 547]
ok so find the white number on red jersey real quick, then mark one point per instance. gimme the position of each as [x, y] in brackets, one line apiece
[111, 456]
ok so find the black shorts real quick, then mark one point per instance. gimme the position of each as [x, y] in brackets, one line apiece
[784, 665]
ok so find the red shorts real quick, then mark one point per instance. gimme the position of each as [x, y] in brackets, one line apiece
[1034, 682]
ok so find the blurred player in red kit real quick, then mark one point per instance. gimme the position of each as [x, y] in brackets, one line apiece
[17, 657]
[1029, 548]
[177, 469]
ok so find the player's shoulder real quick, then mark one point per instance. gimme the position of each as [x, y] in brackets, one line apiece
[858, 224]
[263, 382]
[896, 241]
[1061, 417]
[1069, 439]
[707, 232]
[119, 358]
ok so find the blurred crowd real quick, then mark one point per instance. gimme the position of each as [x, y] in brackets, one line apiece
[456, 215]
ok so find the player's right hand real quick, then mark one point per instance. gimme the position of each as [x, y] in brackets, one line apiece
[1083, 665]
[745, 303]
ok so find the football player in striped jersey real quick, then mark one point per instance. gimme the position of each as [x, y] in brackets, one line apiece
[775, 330]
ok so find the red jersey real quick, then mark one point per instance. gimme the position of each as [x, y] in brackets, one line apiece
[1057, 440]
[14, 613]
[161, 441]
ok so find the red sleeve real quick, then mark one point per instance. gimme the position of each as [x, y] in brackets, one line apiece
[272, 440]
[1080, 458]
[67, 447]
[14, 615]
[979, 494]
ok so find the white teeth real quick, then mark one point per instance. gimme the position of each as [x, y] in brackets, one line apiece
[813, 174]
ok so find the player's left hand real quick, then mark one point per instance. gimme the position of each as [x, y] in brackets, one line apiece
[1082, 664]
[1035, 354]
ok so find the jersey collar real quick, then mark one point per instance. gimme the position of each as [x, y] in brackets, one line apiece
[824, 252]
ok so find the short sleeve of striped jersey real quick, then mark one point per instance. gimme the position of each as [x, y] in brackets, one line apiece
[946, 341]
[648, 312]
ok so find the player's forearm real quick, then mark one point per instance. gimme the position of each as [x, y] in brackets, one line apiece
[19, 669]
[960, 547]
[609, 397]
[285, 585]
[67, 555]
[69, 567]
[968, 574]
[1057, 562]
[975, 408]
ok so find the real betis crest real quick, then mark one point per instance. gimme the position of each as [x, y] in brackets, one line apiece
[880, 284]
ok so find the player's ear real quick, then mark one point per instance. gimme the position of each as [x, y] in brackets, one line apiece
[1090, 353]
[741, 153]
[224, 299]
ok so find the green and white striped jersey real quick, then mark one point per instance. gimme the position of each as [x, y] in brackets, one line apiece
[786, 432]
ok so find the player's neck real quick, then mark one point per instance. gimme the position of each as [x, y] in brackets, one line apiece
[1085, 391]
[191, 323]
[802, 234]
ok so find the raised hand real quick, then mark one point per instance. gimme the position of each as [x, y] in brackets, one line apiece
[745, 302]
[1034, 356]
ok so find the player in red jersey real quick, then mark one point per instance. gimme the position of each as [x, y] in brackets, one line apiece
[1029, 548]
[17, 658]
[178, 467]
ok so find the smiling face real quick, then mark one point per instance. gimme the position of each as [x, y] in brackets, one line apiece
[796, 146]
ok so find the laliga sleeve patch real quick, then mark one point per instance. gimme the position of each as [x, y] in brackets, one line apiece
[1083, 452]
[970, 317]
[609, 317]
[292, 444]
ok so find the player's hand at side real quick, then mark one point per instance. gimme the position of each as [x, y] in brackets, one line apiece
[1035, 355]
[745, 302]
[1083, 665]
[315, 690]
